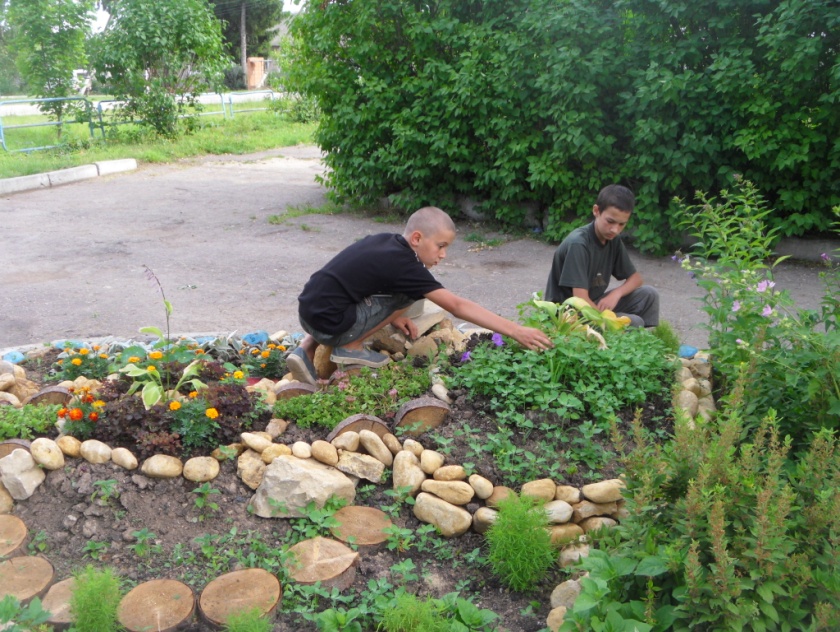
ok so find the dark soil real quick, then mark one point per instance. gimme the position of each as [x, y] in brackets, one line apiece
[67, 518]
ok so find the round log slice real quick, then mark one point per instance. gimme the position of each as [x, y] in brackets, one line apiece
[237, 591]
[160, 604]
[10, 445]
[51, 395]
[13, 535]
[294, 389]
[25, 577]
[422, 414]
[364, 526]
[360, 422]
[323, 560]
[57, 603]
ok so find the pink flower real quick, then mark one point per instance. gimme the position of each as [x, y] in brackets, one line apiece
[736, 306]
[763, 286]
[767, 311]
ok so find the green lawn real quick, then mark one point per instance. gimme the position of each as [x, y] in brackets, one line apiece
[245, 133]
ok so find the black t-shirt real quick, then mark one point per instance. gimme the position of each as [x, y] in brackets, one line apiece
[377, 264]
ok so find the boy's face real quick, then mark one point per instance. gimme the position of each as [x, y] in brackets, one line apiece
[431, 249]
[609, 222]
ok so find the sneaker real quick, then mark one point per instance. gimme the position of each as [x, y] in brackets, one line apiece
[365, 357]
[301, 367]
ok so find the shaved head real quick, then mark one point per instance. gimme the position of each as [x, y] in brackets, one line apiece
[429, 221]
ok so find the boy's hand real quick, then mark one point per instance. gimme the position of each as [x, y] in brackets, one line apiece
[407, 326]
[531, 338]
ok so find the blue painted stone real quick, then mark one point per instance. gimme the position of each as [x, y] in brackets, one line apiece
[203, 340]
[687, 351]
[256, 337]
[63, 344]
[13, 356]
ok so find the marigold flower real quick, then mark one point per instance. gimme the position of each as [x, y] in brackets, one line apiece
[271, 345]
[281, 348]
[156, 355]
[193, 394]
[62, 412]
[238, 375]
[174, 405]
[254, 351]
[151, 368]
[242, 352]
[76, 414]
[59, 361]
[262, 365]
[96, 347]
[265, 353]
[76, 361]
[87, 399]
[211, 413]
[104, 356]
[93, 416]
[98, 403]
[84, 351]
[134, 359]
[199, 351]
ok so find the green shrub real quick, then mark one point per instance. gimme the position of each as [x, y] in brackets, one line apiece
[248, 621]
[28, 422]
[665, 332]
[406, 612]
[520, 549]
[15, 617]
[95, 600]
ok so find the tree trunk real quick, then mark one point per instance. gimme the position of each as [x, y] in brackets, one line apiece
[242, 40]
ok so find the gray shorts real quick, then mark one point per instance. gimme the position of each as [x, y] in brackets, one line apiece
[370, 313]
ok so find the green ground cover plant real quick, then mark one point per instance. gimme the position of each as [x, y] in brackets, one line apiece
[245, 133]
[28, 422]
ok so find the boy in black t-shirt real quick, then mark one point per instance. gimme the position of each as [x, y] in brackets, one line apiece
[371, 283]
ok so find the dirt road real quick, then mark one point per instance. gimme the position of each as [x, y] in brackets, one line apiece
[72, 257]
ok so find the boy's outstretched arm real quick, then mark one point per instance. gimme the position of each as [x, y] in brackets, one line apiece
[470, 311]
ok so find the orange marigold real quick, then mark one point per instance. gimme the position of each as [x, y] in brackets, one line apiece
[134, 359]
[84, 351]
[93, 416]
[265, 353]
[238, 375]
[62, 412]
[76, 414]
[211, 413]
[98, 403]
[104, 356]
[193, 394]
[156, 355]
[76, 361]
[174, 405]
[199, 351]
[151, 368]
[96, 347]
[281, 348]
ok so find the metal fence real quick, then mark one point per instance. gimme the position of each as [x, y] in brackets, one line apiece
[100, 121]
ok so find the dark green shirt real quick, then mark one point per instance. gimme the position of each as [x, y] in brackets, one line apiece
[583, 261]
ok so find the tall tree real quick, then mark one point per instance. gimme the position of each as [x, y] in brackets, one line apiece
[159, 56]
[49, 37]
[247, 25]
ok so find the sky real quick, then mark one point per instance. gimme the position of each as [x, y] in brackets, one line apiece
[102, 16]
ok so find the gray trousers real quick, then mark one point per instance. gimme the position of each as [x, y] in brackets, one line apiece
[641, 306]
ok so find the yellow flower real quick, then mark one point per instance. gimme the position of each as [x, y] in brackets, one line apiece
[104, 356]
[134, 359]
[174, 405]
[193, 394]
[242, 352]
[76, 361]
[265, 353]
[238, 375]
[272, 346]
[199, 351]
[156, 355]
[98, 403]
[151, 368]
[254, 351]
[84, 351]
[281, 348]
[96, 347]
[262, 366]
[212, 413]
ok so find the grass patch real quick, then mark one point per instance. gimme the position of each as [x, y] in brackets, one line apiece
[246, 133]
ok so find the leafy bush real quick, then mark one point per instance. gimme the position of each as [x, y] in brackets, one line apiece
[28, 422]
[520, 544]
[790, 357]
[247, 621]
[19, 618]
[539, 103]
[95, 600]
[406, 612]
[722, 534]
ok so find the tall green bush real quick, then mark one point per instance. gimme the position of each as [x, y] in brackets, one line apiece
[535, 104]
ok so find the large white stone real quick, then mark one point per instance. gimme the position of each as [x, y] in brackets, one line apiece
[558, 511]
[94, 451]
[20, 475]
[162, 466]
[450, 520]
[124, 458]
[374, 446]
[407, 472]
[47, 454]
[361, 466]
[201, 469]
[605, 491]
[290, 484]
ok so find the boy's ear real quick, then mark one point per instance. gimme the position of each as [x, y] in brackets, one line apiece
[414, 238]
[596, 211]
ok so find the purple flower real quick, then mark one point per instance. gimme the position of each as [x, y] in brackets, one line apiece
[764, 285]
[691, 275]
[497, 340]
[738, 341]
[767, 311]
[736, 306]
[465, 357]
[824, 256]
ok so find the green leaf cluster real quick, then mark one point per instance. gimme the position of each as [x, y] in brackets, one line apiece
[407, 612]
[28, 422]
[95, 599]
[530, 106]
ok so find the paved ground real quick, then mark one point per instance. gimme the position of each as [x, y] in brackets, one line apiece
[72, 257]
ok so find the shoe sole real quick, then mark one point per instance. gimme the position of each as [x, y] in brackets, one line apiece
[299, 370]
[359, 361]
